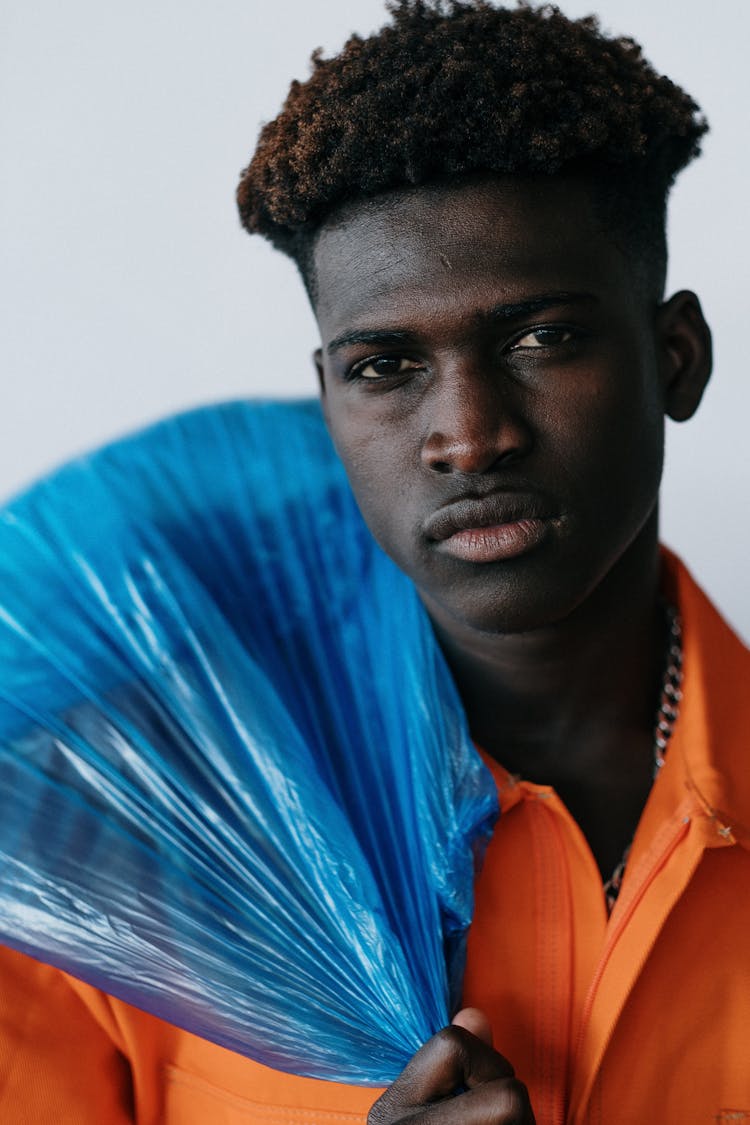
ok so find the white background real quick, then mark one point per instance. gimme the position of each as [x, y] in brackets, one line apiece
[128, 290]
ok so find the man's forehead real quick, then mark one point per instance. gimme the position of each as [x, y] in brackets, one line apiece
[509, 206]
[498, 239]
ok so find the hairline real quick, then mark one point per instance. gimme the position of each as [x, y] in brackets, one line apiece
[651, 274]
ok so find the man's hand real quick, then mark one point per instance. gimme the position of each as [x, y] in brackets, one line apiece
[456, 1079]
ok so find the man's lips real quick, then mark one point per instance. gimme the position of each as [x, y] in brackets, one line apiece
[494, 528]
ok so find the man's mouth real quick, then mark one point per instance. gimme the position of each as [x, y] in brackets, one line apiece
[491, 529]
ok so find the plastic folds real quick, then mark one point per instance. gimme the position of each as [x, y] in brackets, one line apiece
[236, 784]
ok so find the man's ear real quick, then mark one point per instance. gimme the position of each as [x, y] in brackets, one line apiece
[685, 354]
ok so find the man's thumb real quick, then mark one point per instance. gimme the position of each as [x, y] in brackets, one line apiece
[475, 1021]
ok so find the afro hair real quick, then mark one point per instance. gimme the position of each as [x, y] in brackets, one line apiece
[455, 88]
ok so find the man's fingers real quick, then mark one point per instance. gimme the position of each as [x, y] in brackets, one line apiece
[456, 1079]
[502, 1102]
[453, 1060]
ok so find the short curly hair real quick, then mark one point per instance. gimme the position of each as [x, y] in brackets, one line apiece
[450, 89]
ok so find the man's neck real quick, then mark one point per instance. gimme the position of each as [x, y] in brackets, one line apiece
[573, 705]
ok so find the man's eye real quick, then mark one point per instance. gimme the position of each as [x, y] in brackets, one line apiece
[382, 366]
[547, 337]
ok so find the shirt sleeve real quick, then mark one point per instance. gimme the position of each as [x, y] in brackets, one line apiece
[57, 1064]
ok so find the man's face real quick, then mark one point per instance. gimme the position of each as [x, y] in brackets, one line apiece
[490, 380]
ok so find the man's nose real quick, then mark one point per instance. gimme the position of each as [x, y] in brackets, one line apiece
[473, 423]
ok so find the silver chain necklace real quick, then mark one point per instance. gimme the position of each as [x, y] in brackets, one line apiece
[666, 717]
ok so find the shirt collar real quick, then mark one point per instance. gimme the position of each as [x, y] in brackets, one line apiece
[711, 734]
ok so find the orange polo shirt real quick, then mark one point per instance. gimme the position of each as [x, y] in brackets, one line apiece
[641, 1017]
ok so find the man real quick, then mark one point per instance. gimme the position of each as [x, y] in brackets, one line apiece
[476, 203]
[475, 198]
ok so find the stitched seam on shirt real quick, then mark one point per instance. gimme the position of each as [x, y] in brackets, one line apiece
[178, 1077]
[550, 896]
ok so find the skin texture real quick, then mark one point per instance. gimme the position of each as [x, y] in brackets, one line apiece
[495, 372]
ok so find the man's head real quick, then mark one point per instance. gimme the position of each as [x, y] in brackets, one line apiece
[488, 362]
[451, 89]
[479, 216]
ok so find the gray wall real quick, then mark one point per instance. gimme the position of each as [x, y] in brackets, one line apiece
[127, 289]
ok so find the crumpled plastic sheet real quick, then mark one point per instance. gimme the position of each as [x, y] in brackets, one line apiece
[236, 782]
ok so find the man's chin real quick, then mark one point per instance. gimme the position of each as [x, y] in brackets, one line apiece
[506, 608]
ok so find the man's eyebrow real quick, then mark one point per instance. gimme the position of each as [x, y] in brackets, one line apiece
[518, 309]
[508, 311]
[373, 336]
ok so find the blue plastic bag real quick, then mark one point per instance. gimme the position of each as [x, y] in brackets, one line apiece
[236, 782]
